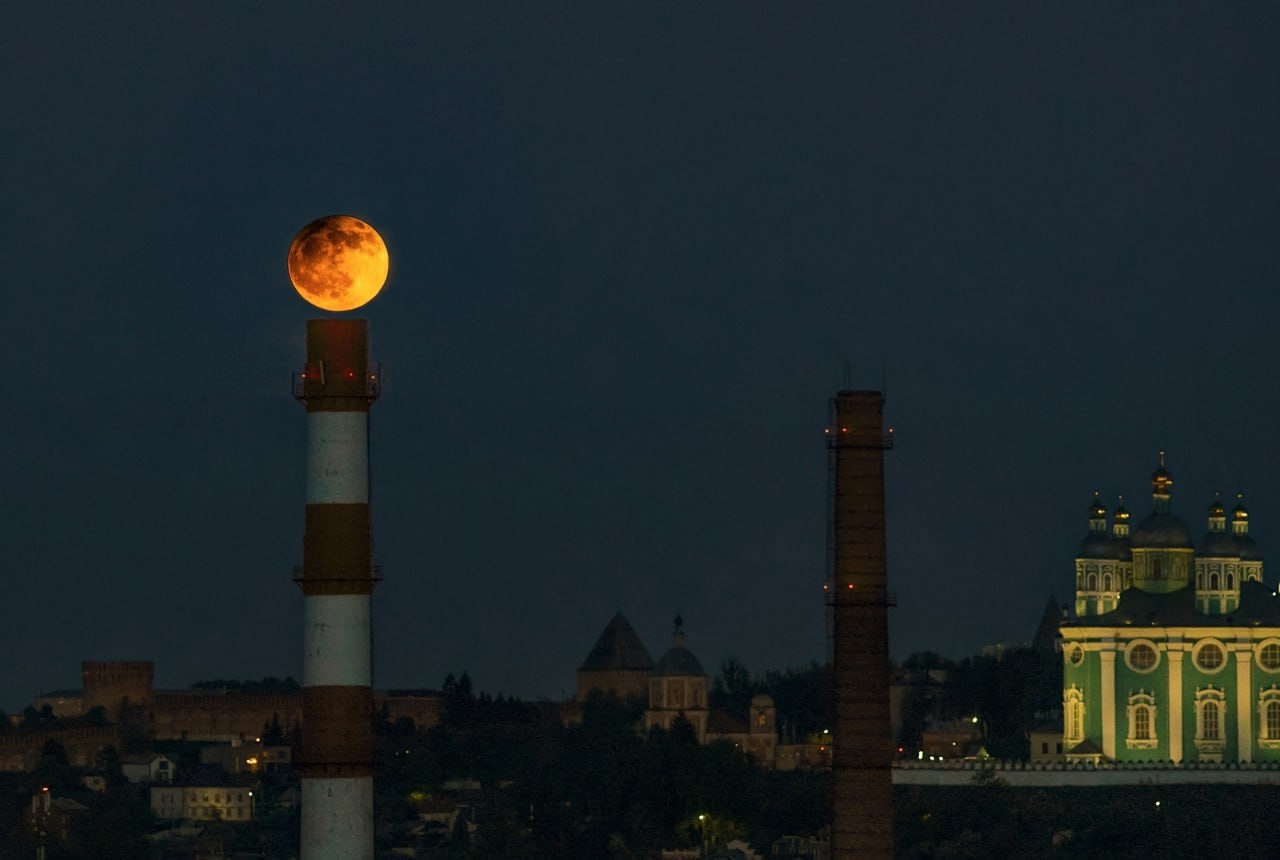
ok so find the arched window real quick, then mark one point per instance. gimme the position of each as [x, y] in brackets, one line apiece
[1231, 581]
[1211, 729]
[1211, 710]
[1213, 582]
[1073, 708]
[1092, 582]
[1157, 570]
[1142, 721]
[1269, 718]
[1106, 582]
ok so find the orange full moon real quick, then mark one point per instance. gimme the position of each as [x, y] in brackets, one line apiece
[338, 263]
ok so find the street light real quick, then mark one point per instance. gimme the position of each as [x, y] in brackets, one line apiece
[702, 845]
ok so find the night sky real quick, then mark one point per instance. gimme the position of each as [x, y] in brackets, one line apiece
[634, 247]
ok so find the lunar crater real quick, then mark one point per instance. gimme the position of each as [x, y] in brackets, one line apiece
[338, 263]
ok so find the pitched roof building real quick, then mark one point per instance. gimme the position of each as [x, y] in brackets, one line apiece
[618, 663]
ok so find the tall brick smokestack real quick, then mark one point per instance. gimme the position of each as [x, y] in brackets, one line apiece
[862, 824]
[337, 579]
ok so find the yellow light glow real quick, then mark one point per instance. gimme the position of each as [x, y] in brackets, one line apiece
[338, 263]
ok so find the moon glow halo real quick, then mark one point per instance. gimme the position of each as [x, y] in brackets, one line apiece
[338, 263]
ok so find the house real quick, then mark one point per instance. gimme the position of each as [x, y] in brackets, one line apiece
[147, 768]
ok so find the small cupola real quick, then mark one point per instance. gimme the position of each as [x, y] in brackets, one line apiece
[1161, 486]
[1120, 528]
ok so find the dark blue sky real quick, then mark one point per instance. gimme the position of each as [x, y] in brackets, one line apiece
[633, 246]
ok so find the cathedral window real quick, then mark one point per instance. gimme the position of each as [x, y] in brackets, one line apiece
[1213, 582]
[1073, 705]
[1231, 581]
[1209, 656]
[1106, 582]
[1141, 724]
[1269, 718]
[1157, 570]
[1269, 655]
[1141, 656]
[1211, 709]
[1092, 582]
[1142, 721]
[1211, 729]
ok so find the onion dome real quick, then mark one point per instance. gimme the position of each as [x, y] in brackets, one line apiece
[1217, 542]
[1240, 531]
[1120, 531]
[679, 661]
[1097, 543]
[1122, 518]
[1161, 530]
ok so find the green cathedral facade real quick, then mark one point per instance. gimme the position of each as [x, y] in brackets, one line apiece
[1174, 650]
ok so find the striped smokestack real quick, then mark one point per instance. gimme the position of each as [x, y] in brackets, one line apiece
[862, 824]
[337, 579]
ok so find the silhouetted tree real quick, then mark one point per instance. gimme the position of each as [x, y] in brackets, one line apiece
[272, 733]
[733, 687]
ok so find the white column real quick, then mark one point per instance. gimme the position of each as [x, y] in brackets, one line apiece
[336, 641]
[1244, 702]
[1108, 657]
[1174, 705]
[336, 819]
[337, 458]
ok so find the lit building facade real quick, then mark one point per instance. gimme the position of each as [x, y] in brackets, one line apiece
[1174, 652]
[233, 803]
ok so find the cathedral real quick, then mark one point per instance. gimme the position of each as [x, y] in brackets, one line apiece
[1174, 651]
[676, 688]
